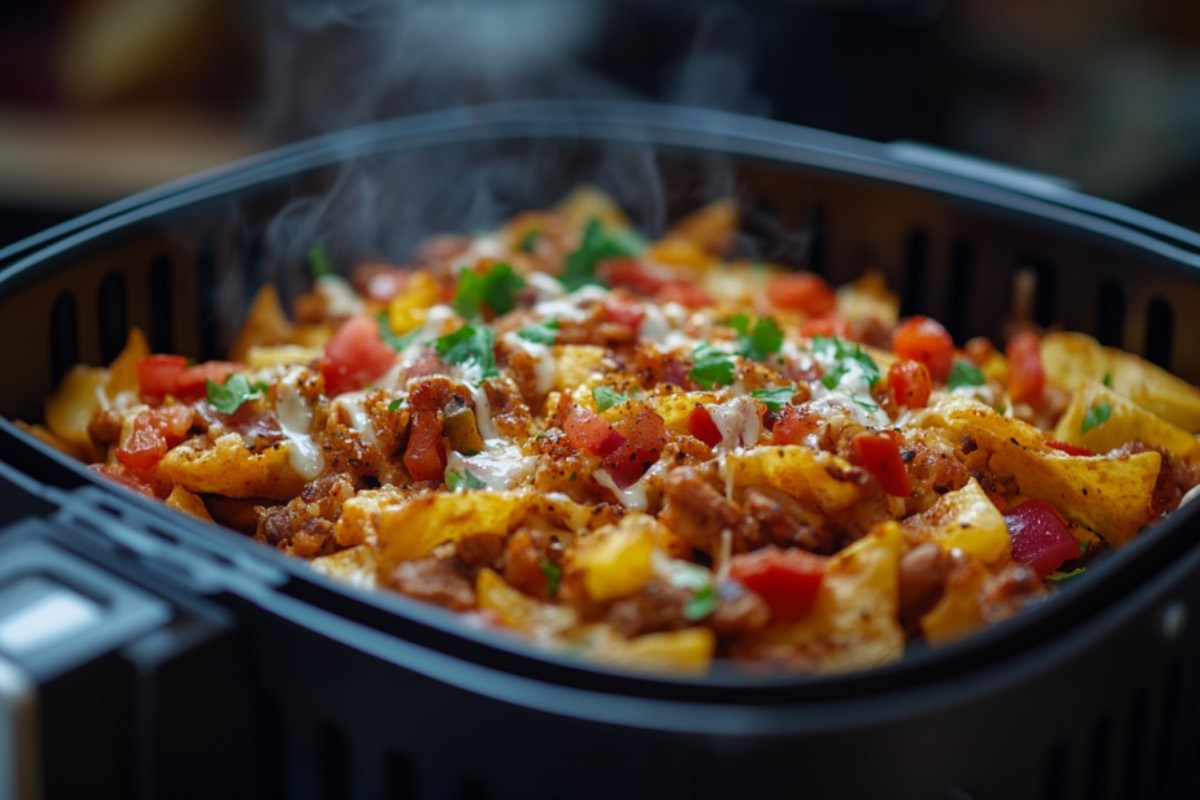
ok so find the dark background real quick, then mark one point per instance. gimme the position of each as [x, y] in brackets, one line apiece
[102, 98]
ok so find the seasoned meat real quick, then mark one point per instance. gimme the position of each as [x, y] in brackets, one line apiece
[434, 580]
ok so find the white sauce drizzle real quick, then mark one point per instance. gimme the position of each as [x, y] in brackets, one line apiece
[632, 497]
[483, 414]
[500, 466]
[738, 422]
[571, 307]
[351, 403]
[340, 298]
[295, 421]
[545, 368]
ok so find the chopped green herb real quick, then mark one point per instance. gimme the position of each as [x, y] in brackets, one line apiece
[606, 398]
[396, 404]
[865, 404]
[740, 323]
[763, 341]
[712, 367]
[1062, 576]
[494, 288]
[319, 265]
[1096, 416]
[541, 332]
[397, 343]
[229, 398]
[553, 574]
[845, 356]
[529, 240]
[776, 397]
[964, 373]
[470, 345]
[463, 479]
[1108, 379]
[597, 246]
[702, 603]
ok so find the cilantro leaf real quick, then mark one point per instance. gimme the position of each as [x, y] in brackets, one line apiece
[702, 603]
[763, 341]
[540, 333]
[597, 246]
[846, 357]
[1107, 379]
[397, 343]
[712, 367]
[396, 404]
[775, 397]
[494, 288]
[529, 240]
[470, 345]
[964, 373]
[864, 404]
[463, 479]
[1096, 416]
[319, 265]
[553, 574]
[740, 323]
[229, 398]
[606, 398]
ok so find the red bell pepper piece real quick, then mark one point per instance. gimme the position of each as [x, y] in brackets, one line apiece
[700, 424]
[787, 580]
[1039, 536]
[425, 454]
[879, 455]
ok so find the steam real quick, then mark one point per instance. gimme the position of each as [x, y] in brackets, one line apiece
[333, 65]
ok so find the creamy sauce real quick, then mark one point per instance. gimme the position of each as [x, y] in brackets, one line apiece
[574, 307]
[500, 466]
[633, 497]
[295, 421]
[340, 298]
[483, 413]
[351, 404]
[738, 422]
[545, 368]
[862, 409]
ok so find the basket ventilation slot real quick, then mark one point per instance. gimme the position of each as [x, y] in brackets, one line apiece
[206, 298]
[114, 323]
[1110, 326]
[1056, 773]
[960, 286]
[399, 776]
[332, 762]
[159, 288]
[916, 260]
[1101, 747]
[64, 334]
[1160, 332]
[1135, 741]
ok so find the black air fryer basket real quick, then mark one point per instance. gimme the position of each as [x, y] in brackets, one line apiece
[184, 660]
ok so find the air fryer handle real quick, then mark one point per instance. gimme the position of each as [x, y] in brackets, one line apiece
[948, 162]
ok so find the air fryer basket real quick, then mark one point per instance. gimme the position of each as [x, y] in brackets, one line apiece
[231, 668]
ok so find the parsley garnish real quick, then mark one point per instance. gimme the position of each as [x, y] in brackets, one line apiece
[606, 398]
[397, 343]
[597, 246]
[776, 397]
[319, 265]
[229, 398]
[540, 333]
[1096, 416]
[470, 345]
[865, 404]
[1062, 576]
[529, 240]
[702, 603]
[463, 479]
[396, 404]
[759, 342]
[494, 288]
[1107, 379]
[712, 367]
[964, 373]
[844, 354]
[553, 574]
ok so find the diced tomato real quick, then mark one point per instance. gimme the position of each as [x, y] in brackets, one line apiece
[792, 424]
[425, 454]
[803, 291]
[154, 432]
[879, 455]
[686, 293]
[162, 375]
[787, 580]
[639, 451]
[826, 326]
[700, 424]
[118, 473]
[157, 375]
[591, 432]
[631, 274]
[623, 311]
[1070, 449]
[925, 340]
[1039, 536]
[1026, 375]
[354, 356]
[192, 383]
[910, 383]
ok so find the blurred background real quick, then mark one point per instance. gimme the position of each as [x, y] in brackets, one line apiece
[102, 98]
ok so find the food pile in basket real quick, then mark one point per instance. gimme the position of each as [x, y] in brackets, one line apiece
[648, 455]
